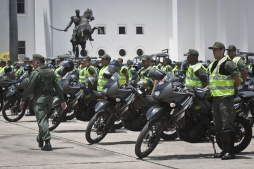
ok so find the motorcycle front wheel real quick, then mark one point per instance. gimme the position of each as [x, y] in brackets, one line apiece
[97, 128]
[54, 118]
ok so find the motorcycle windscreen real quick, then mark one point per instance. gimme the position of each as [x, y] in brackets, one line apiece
[111, 81]
[65, 81]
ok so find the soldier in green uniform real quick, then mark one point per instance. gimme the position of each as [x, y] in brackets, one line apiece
[9, 64]
[42, 83]
[105, 59]
[88, 70]
[166, 65]
[224, 79]
[196, 73]
[129, 64]
[158, 64]
[2, 66]
[123, 74]
[26, 60]
[59, 60]
[242, 68]
[175, 70]
[79, 65]
[146, 71]
[95, 65]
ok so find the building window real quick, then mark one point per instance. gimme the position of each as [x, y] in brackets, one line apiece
[122, 52]
[101, 52]
[20, 6]
[102, 30]
[22, 47]
[139, 30]
[122, 30]
[140, 52]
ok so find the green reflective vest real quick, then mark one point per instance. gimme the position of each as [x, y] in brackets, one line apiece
[101, 79]
[221, 85]
[122, 77]
[2, 70]
[158, 66]
[236, 60]
[142, 73]
[191, 79]
[129, 73]
[175, 70]
[165, 68]
[56, 73]
[84, 73]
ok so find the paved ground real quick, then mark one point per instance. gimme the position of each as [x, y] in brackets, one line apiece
[18, 149]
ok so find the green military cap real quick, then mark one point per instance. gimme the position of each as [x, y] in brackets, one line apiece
[231, 47]
[146, 57]
[9, 61]
[86, 58]
[217, 45]
[3, 61]
[38, 57]
[26, 59]
[60, 57]
[192, 52]
[120, 59]
[106, 56]
[129, 61]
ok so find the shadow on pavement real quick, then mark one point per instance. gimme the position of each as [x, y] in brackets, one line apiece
[69, 131]
[54, 148]
[121, 142]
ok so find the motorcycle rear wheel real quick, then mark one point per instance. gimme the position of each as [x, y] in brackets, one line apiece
[243, 132]
[54, 118]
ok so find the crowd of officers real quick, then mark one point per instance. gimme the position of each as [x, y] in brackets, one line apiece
[223, 75]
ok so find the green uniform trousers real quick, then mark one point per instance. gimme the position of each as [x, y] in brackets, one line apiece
[42, 106]
[223, 113]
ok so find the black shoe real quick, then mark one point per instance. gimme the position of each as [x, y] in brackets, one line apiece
[29, 114]
[40, 141]
[112, 129]
[230, 141]
[47, 146]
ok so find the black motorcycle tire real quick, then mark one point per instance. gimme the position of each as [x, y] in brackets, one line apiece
[58, 121]
[1, 104]
[118, 125]
[70, 116]
[91, 124]
[6, 106]
[247, 138]
[141, 137]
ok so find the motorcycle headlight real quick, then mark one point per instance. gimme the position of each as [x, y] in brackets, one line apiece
[156, 94]
[251, 86]
[104, 91]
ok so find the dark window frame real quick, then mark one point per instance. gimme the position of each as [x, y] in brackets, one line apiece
[104, 33]
[142, 30]
[21, 7]
[22, 47]
[101, 50]
[125, 30]
[141, 50]
[122, 50]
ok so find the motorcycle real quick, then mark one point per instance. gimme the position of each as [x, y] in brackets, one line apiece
[79, 98]
[191, 113]
[12, 111]
[124, 102]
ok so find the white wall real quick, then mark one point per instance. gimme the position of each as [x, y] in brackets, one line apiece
[4, 26]
[152, 14]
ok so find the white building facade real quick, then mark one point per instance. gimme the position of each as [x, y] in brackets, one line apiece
[178, 25]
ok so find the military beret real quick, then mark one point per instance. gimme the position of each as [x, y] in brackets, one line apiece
[106, 56]
[38, 57]
[86, 58]
[26, 59]
[146, 57]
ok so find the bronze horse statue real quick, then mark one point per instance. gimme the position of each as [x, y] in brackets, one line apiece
[81, 32]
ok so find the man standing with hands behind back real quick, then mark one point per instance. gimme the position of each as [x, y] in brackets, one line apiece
[224, 79]
[42, 82]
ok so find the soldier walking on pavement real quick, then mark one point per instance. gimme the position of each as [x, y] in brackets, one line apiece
[42, 83]
[242, 68]
[224, 79]
[196, 73]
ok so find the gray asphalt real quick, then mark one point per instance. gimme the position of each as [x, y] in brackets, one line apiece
[19, 149]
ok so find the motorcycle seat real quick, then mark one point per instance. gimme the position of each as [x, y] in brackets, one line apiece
[246, 94]
[237, 100]
[150, 99]
[98, 94]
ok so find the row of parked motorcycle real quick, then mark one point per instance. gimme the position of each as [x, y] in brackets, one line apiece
[171, 112]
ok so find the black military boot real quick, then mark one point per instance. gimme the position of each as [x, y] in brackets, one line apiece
[219, 155]
[229, 140]
[47, 146]
[112, 128]
[40, 141]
